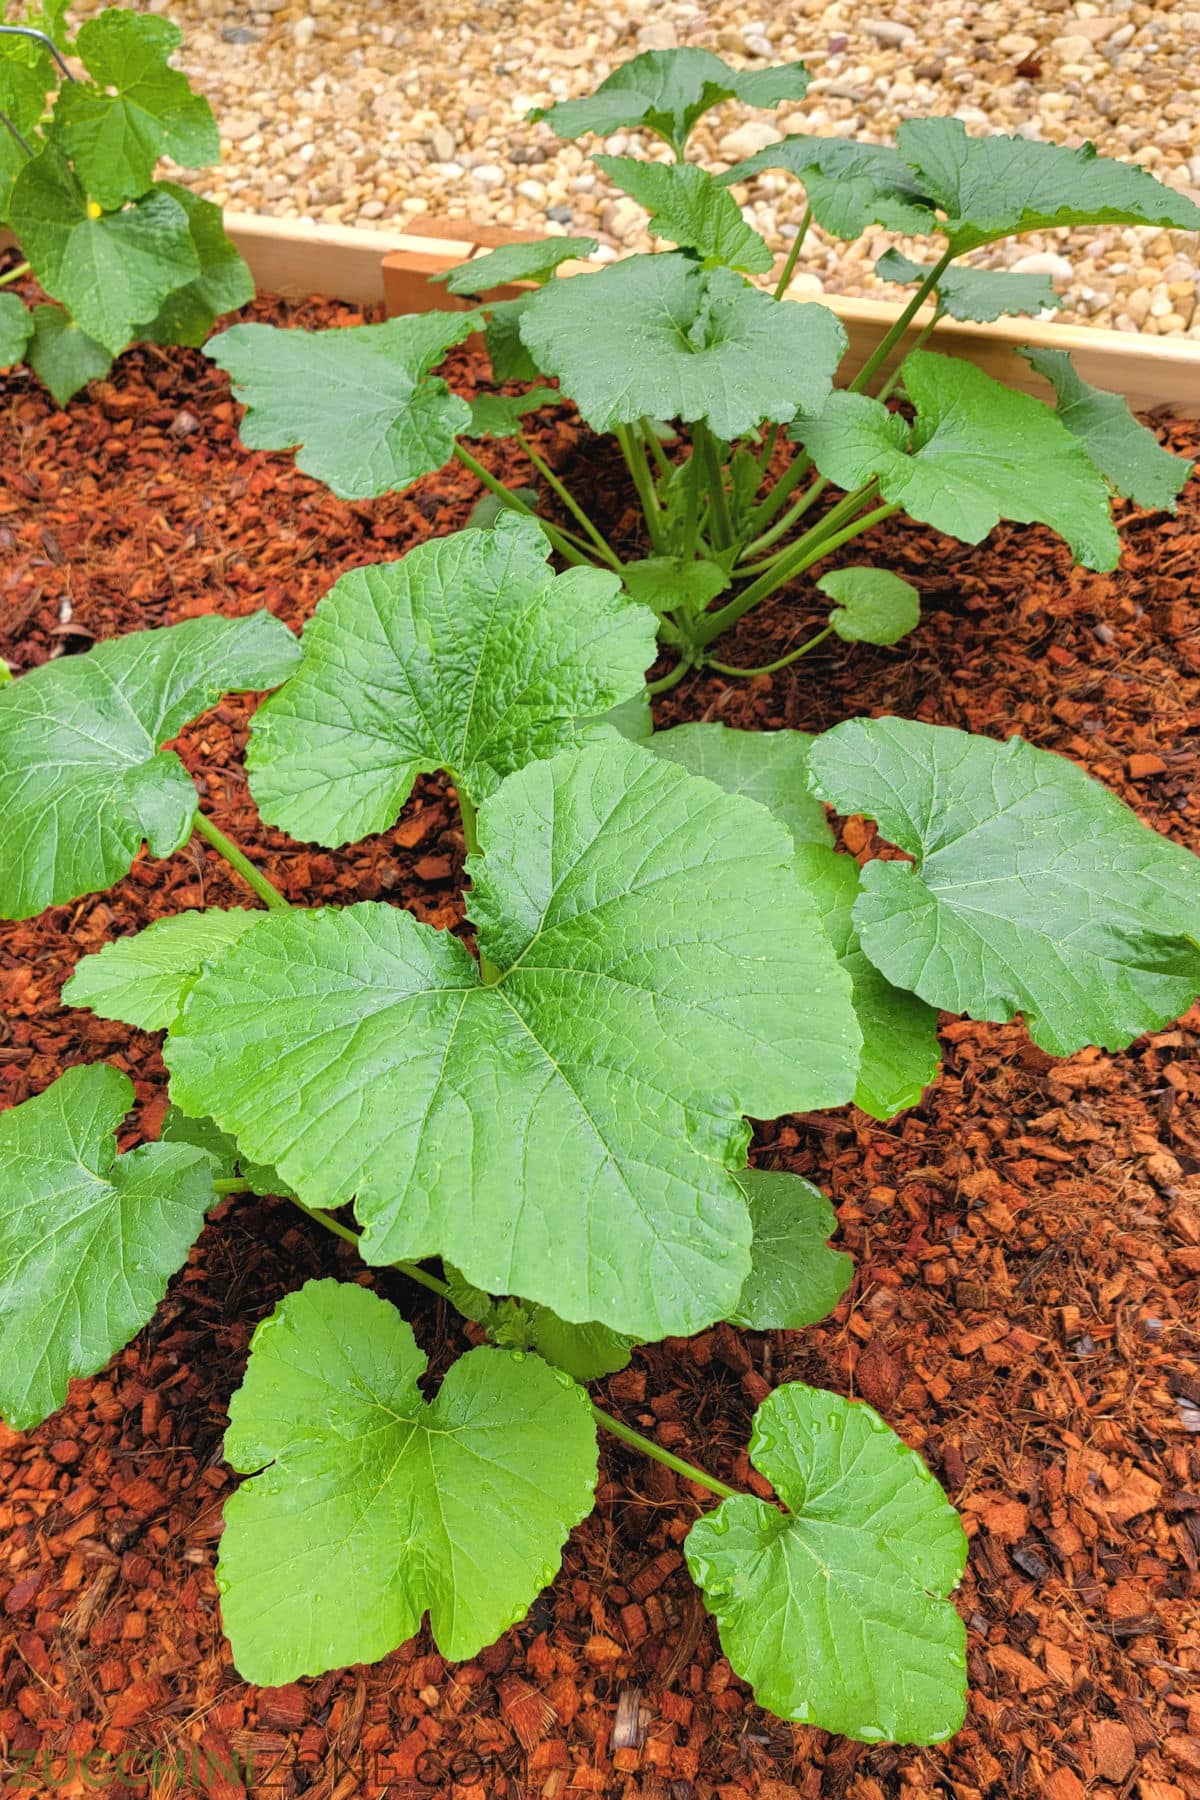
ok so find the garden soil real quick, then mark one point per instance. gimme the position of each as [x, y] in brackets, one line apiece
[1027, 1241]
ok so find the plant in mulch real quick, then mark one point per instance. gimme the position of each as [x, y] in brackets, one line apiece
[545, 1120]
[698, 373]
[125, 258]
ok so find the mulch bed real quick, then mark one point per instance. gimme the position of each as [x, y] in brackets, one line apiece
[1027, 1241]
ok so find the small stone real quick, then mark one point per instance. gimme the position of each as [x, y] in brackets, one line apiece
[621, 218]
[754, 135]
[559, 215]
[758, 45]
[235, 130]
[443, 143]
[488, 177]
[1044, 262]
[889, 31]
[659, 34]
[532, 190]
[303, 31]
[237, 34]
[1074, 48]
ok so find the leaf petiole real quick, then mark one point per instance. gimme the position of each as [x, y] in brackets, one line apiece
[561, 540]
[633, 450]
[266, 890]
[14, 274]
[602, 547]
[893, 335]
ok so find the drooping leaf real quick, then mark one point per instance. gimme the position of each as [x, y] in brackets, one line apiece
[666, 91]
[135, 109]
[223, 284]
[674, 583]
[993, 187]
[586, 1352]
[1126, 452]
[88, 1239]
[566, 1131]
[64, 356]
[141, 980]
[111, 271]
[900, 1051]
[978, 294]
[469, 655]
[658, 336]
[1034, 889]
[359, 401]
[83, 780]
[979, 452]
[509, 358]
[503, 415]
[516, 262]
[795, 1278]
[768, 766]
[848, 185]
[223, 1154]
[374, 1506]
[689, 208]
[874, 606]
[16, 329]
[835, 1611]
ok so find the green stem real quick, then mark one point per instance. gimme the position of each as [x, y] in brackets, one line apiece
[14, 274]
[891, 338]
[603, 548]
[780, 663]
[666, 468]
[561, 540]
[649, 1448]
[782, 526]
[266, 890]
[414, 1271]
[898, 372]
[833, 520]
[704, 441]
[639, 469]
[671, 680]
[793, 257]
[795, 472]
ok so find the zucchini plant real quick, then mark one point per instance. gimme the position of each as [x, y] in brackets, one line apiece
[124, 258]
[699, 374]
[543, 1118]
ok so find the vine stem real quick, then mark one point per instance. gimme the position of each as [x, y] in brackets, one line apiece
[14, 274]
[780, 662]
[237, 859]
[892, 336]
[670, 680]
[633, 450]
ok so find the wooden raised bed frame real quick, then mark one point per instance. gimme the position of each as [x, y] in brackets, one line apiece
[371, 267]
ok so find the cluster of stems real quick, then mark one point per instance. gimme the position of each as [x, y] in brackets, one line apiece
[765, 545]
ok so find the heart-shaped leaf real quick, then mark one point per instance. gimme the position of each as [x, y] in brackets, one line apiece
[223, 284]
[469, 655]
[979, 452]
[669, 584]
[64, 356]
[795, 1278]
[687, 206]
[503, 415]
[660, 337]
[874, 606]
[375, 1506]
[1034, 889]
[88, 1239]
[644, 995]
[141, 980]
[1125, 451]
[768, 766]
[835, 1611]
[979, 294]
[83, 780]
[16, 329]
[848, 185]
[359, 401]
[515, 262]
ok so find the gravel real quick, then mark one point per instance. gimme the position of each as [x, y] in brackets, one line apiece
[375, 114]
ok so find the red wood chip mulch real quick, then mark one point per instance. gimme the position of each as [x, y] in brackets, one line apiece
[1027, 1241]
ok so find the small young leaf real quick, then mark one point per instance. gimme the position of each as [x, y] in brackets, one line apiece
[993, 187]
[835, 1611]
[795, 1278]
[848, 185]
[62, 355]
[900, 1052]
[489, 507]
[978, 453]
[768, 766]
[586, 1352]
[469, 655]
[647, 999]
[1034, 889]
[221, 1151]
[16, 329]
[657, 336]
[509, 358]
[360, 401]
[375, 1506]
[141, 980]
[874, 606]
[1127, 453]
[82, 778]
[502, 415]
[88, 1239]
[666, 91]
[134, 110]
[516, 262]
[223, 284]
[978, 294]
[687, 206]
[674, 583]
[112, 271]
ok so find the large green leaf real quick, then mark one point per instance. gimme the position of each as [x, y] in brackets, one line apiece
[83, 780]
[88, 1239]
[467, 655]
[659, 337]
[687, 206]
[113, 270]
[360, 401]
[567, 1130]
[1126, 452]
[1034, 890]
[223, 284]
[874, 606]
[835, 1611]
[141, 980]
[979, 294]
[515, 262]
[375, 1506]
[795, 1278]
[134, 110]
[900, 1051]
[768, 766]
[993, 187]
[666, 91]
[16, 329]
[979, 452]
[64, 356]
[848, 185]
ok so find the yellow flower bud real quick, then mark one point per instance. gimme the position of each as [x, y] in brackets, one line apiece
[94, 209]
